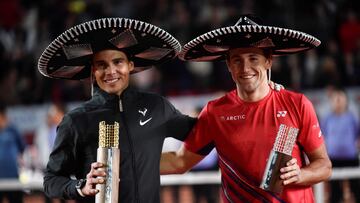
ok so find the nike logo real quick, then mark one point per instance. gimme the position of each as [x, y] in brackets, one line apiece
[144, 122]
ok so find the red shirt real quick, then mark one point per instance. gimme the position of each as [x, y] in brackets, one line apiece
[244, 134]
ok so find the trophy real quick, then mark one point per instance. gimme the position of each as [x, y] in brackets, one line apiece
[108, 153]
[279, 155]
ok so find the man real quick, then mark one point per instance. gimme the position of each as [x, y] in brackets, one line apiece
[111, 49]
[12, 146]
[243, 124]
[341, 132]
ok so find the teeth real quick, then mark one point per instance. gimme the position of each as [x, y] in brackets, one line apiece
[247, 76]
[112, 80]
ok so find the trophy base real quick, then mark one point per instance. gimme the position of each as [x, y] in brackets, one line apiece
[271, 180]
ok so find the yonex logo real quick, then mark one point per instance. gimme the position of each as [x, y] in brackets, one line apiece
[281, 114]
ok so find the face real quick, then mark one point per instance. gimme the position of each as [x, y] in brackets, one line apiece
[111, 69]
[248, 68]
[339, 102]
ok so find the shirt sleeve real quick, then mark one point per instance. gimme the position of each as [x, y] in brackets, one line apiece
[57, 181]
[310, 136]
[178, 125]
[200, 139]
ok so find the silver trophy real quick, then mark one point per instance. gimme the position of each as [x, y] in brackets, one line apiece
[279, 156]
[108, 153]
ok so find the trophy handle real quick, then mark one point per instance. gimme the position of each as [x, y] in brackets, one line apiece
[271, 179]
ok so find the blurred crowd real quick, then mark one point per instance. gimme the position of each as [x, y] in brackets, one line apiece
[27, 27]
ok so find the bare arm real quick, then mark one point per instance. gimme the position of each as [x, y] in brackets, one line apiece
[178, 162]
[318, 170]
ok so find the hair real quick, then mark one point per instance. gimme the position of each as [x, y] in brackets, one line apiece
[3, 107]
[128, 56]
[267, 52]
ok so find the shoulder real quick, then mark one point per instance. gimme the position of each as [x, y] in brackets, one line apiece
[229, 97]
[148, 99]
[289, 93]
[11, 128]
[80, 110]
[147, 95]
[290, 96]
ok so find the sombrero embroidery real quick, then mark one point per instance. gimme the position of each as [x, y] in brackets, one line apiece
[215, 44]
[69, 55]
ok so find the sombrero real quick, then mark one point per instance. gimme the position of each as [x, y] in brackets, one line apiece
[69, 55]
[214, 45]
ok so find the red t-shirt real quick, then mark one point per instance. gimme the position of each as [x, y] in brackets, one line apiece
[244, 134]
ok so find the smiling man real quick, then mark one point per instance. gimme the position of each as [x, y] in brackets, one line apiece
[108, 51]
[111, 69]
[244, 145]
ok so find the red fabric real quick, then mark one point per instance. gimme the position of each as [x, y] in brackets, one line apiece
[349, 35]
[10, 13]
[244, 134]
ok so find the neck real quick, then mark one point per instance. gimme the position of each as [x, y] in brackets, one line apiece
[255, 95]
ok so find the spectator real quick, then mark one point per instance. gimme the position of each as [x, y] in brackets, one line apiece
[45, 135]
[341, 131]
[12, 146]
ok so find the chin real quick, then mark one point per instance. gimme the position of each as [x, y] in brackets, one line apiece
[112, 90]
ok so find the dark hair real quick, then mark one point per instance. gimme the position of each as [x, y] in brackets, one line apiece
[3, 107]
[267, 52]
[128, 56]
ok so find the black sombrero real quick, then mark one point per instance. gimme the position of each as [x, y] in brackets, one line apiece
[214, 45]
[68, 56]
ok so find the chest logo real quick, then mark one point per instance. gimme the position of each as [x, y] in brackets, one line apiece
[145, 121]
[233, 118]
[143, 113]
[281, 114]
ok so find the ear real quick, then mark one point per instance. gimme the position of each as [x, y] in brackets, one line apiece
[228, 64]
[131, 66]
[268, 63]
[92, 74]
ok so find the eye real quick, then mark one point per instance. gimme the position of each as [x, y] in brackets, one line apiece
[118, 61]
[100, 66]
[236, 61]
[253, 58]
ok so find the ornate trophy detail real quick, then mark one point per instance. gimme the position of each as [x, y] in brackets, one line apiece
[279, 155]
[108, 153]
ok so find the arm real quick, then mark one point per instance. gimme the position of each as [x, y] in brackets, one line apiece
[61, 164]
[178, 162]
[318, 170]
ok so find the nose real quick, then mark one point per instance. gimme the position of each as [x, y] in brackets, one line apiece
[243, 65]
[111, 69]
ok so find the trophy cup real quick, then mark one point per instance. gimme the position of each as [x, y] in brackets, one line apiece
[279, 155]
[108, 153]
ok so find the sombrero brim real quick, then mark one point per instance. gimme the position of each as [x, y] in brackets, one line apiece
[213, 45]
[69, 55]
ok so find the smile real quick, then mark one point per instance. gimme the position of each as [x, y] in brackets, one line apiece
[109, 81]
[247, 76]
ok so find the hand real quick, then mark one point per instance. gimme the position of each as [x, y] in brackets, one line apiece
[291, 173]
[276, 86]
[96, 176]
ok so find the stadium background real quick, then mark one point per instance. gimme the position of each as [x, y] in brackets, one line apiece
[27, 27]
